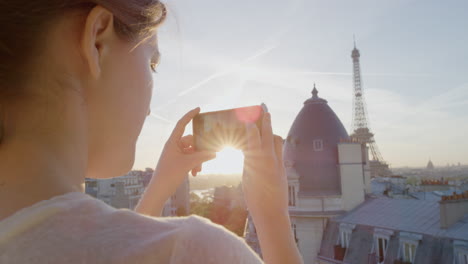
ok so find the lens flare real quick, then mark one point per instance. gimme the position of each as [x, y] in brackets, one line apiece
[249, 114]
[227, 161]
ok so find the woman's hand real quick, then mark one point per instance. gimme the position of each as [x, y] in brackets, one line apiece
[264, 181]
[177, 159]
[265, 190]
[179, 156]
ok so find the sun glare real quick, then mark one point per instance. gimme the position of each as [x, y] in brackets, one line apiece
[227, 161]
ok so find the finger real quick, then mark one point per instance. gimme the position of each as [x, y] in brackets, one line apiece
[186, 141]
[279, 149]
[188, 150]
[197, 158]
[267, 133]
[197, 169]
[182, 123]
[253, 137]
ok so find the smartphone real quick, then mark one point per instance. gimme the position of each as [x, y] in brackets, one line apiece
[226, 128]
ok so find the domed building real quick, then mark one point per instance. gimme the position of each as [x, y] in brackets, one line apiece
[310, 152]
[328, 174]
[430, 165]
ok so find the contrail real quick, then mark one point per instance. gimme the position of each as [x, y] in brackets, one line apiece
[273, 38]
[231, 69]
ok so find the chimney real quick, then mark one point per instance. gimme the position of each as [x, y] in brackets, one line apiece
[452, 209]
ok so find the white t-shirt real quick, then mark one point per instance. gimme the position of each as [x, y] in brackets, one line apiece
[77, 228]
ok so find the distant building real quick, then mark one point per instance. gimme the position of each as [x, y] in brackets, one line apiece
[229, 197]
[91, 187]
[251, 237]
[430, 165]
[120, 192]
[179, 203]
[435, 185]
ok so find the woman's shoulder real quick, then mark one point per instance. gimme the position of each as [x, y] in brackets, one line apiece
[202, 241]
[188, 239]
[87, 230]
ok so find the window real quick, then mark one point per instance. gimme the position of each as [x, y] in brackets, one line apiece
[345, 237]
[292, 195]
[345, 234]
[408, 252]
[461, 257]
[380, 245]
[343, 241]
[318, 145]
[381, 248]
[460, 252]
[408, 245]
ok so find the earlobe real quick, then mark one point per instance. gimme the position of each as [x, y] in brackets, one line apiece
[97, 36]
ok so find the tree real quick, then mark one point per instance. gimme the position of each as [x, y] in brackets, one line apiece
[237, 220]
[181, 211]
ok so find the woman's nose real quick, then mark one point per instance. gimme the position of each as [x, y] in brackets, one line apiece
[149, 112]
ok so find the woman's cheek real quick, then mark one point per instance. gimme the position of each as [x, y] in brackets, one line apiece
[146, 90]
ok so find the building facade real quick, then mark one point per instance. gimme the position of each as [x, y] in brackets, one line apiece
[328, 174]
[120, 192]
[179, 203]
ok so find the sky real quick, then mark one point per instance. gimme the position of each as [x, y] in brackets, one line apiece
[220, 54]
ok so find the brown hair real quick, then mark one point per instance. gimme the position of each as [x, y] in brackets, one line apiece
[23, 21]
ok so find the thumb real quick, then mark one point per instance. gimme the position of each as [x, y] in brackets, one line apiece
[199, 157]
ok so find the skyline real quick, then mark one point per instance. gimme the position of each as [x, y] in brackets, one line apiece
[413, 61]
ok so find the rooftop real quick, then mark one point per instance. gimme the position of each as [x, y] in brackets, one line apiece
[416, 216]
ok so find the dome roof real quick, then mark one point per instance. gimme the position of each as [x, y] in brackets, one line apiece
[310, 150]
[430, 165]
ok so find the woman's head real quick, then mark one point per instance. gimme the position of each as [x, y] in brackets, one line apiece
[86, 67]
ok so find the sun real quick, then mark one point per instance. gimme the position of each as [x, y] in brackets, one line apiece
[227, 161]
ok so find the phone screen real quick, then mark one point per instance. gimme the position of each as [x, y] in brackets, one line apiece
[217, 130]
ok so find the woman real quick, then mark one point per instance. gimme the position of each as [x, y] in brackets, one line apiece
[75, 88]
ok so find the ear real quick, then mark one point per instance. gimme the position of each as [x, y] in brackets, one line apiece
[97, 38]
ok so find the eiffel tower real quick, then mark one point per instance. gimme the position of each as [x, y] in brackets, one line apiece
[360, 124]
